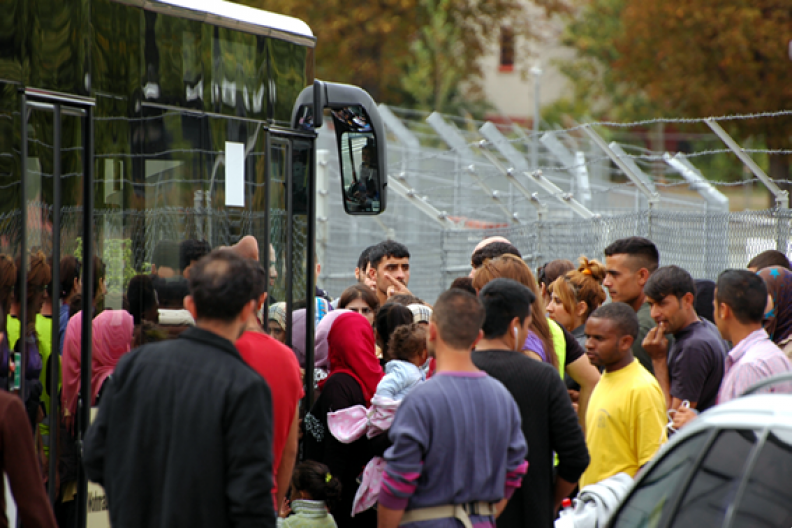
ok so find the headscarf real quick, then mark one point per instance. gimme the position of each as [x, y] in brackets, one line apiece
[298, 327]
[277, 313]
[71, 364]
[705, 295]
[112, 338]
[351, 351]
[321, 358]
[779, 286]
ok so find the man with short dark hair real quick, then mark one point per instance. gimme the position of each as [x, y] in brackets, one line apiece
[389, 269]
[740, 301]
[692, 368]
[184, 431]
[629, 262]
[768, 259]
[626, 418]
[549, 422]
[458, 450]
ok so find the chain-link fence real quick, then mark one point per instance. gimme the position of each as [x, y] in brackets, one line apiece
[454, 182]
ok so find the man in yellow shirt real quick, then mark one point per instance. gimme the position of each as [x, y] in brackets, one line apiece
[626, 418]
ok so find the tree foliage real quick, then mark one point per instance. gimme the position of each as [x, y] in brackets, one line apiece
[399, 50]
[680, 58]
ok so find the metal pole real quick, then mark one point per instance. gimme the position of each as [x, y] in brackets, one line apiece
[84, 416]
[53, 369]
[311, 274]
[23, 254]
[289, 241]
[537, 73]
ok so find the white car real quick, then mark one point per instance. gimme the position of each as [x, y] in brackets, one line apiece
[730, 468]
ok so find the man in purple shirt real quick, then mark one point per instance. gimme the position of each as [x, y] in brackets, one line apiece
[740, 300]
[458, 449]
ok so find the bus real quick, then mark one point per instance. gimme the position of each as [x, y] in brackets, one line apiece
[136, 135]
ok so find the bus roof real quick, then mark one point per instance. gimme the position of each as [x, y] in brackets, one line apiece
[234, 16]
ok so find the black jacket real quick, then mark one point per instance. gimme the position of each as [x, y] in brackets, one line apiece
[183, 437]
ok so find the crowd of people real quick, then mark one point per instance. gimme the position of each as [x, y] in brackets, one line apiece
[489, 406]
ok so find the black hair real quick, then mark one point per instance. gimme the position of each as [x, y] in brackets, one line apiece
[389, 317]
[192, 250]
[458, 316]
[463, 283]
[70, 269]
[220, 285]
[359, 291]
[261, 280]
[705, 295]
[503, 300]
[363, 259]
[620, 313]
[387, 249]
[171, 292]
[768, 259]
[745, 293]
[407, 342]
[669, 280]
[493, 250]
[315, 480]
[641, 248]
[166, 254]
[140, 296]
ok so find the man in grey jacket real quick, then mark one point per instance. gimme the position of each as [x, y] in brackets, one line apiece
[183, 436]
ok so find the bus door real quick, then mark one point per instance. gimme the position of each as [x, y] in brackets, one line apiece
[56, 190]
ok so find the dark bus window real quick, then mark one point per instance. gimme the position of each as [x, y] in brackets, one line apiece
[650, 502]
[767, 499]
[715, 484]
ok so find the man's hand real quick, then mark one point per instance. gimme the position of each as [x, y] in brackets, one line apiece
[396, 286]
[655, 342]
[285, 509]
[682, 416]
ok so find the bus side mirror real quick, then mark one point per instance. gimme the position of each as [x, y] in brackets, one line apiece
[360, 139]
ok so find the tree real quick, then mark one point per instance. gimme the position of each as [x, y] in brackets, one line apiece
[681, 58]
[374, 44]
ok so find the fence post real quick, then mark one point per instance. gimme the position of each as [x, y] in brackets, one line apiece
[651, 194]
[781, 196]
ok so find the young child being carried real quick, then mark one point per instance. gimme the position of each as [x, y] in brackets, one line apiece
[314, 494]
[407, 350]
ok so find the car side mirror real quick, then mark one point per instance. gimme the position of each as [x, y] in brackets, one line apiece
[360, 139]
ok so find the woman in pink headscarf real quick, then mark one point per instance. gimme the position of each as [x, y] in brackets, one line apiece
[112, 338]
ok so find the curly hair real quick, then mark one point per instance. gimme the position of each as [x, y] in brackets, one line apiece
[581, 285]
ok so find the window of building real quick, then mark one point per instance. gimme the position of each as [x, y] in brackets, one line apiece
[506, 49]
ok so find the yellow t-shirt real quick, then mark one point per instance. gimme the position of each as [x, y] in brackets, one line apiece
[625, 423]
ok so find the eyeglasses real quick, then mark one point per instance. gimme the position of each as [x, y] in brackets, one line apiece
[362, 311]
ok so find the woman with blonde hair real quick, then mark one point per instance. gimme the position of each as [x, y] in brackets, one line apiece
[561, 349]
[575, 295]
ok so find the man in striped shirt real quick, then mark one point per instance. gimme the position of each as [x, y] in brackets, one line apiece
[740, 301]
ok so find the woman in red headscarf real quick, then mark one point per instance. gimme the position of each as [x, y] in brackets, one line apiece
[354, 374]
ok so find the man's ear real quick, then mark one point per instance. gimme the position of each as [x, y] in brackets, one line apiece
[432, 333]
[478, 338]
[688, 299]
[626, 342]
[189, 305]
[372, 273]
[357, 274]
[643, 276]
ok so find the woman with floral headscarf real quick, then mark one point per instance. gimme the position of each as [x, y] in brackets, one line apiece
[778, 321]
[354, 375]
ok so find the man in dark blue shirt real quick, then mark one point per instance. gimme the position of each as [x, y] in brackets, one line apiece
[692, 369]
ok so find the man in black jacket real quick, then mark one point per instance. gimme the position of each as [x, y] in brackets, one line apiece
[549, 422]
[184, 431]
